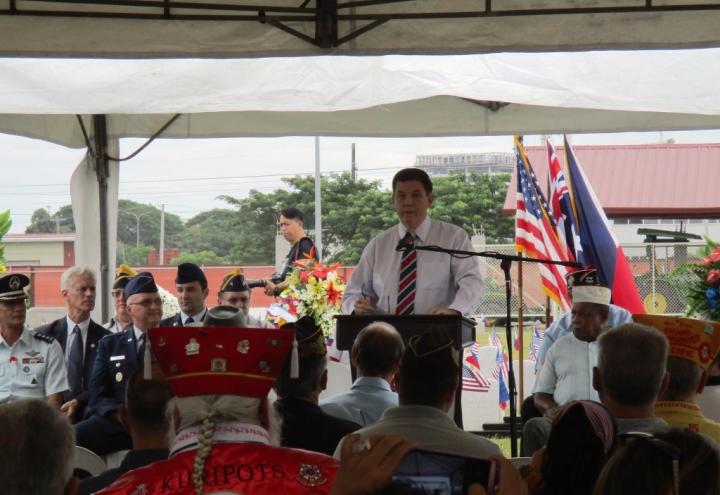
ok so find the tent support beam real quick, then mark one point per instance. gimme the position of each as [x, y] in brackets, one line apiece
[326, 15]
[102, 171]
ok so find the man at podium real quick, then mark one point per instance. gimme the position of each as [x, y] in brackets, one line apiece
[391, 278]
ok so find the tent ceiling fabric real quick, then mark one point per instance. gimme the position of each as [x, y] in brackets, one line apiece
[436, 116]
[676, 81]
[458, 26]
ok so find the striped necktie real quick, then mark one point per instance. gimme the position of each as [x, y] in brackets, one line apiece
[406, 288]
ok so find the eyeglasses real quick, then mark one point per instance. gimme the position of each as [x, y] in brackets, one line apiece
[672, 451]
[147, 303]
[117, 292]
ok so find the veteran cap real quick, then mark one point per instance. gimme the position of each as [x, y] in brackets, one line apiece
[142, 283]
[309, 336]
[122, 276]
[430, 352]
[224, 316]
[190, 272]
[12, 286]
[214, 360]
[234, 282]
[695, 340]
[586, 276]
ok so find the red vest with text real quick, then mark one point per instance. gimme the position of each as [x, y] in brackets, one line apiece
[232, 468]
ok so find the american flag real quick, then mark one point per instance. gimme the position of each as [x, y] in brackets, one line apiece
[537, 338]
[536, 232]
[473, 381]
[495, 341]
[562, 209]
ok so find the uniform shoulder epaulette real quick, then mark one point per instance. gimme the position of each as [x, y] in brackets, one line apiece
[44, 337]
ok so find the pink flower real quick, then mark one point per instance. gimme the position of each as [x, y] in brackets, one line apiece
[713, 276]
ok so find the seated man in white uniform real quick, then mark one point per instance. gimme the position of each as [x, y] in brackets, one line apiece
[566, 374]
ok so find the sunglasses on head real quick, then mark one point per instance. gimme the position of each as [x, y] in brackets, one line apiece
[670, 450]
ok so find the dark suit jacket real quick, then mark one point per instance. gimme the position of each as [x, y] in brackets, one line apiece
[172, 321]
[306, 426]
[176, 320]
[58, 330]
[133, 460]
[116, 360]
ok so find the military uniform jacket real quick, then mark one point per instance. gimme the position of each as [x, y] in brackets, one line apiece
[116, 359]
[246, 468]
[33, 368]
[59, 331]
[176, 320]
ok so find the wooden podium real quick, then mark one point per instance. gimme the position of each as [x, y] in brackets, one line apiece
[460, 328]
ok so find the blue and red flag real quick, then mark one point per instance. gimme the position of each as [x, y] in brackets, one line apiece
[599, 245]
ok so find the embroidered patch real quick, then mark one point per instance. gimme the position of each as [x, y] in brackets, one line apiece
[192, 348]
[310, 475]
[243, 346]
[218, 365]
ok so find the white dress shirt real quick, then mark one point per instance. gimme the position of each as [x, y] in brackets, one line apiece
[442, 280]
[567, 372]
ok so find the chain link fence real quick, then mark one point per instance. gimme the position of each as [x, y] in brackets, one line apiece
[662, 287]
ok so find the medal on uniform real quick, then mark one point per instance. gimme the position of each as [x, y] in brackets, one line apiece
[26, 369]
[192, 348]
[118, 376]
[310, 475]
[243, 346]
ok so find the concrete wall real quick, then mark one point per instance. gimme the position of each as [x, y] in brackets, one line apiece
[35, 253]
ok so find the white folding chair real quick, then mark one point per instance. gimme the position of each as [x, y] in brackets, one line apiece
[88, 461]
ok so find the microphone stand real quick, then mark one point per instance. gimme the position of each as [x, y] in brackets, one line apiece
[505, 263]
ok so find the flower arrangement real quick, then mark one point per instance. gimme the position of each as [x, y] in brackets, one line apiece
[703, 294]
[170, 305]
[314, 289]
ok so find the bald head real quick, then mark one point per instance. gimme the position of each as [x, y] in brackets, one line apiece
[377, 350]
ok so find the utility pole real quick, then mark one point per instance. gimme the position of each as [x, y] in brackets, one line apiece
[353, 165]
[162, 235]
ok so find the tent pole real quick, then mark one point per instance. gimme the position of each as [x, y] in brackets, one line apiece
[318, 202]
[102, 171]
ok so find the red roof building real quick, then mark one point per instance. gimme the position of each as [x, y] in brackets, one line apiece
[648, 181]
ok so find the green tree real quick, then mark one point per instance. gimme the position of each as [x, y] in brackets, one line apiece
[133, 255]
[5, 224]
[42, 222]
[213, 231]
[131, 214]
[201, 258]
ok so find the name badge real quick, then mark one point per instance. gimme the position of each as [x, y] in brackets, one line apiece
[117, 358]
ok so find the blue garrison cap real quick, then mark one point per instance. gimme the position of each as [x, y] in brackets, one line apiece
[142, 283]
[190, 272]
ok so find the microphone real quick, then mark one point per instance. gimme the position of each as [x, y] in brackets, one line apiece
[407, 243]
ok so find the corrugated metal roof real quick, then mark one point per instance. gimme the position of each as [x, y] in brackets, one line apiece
[660, 180]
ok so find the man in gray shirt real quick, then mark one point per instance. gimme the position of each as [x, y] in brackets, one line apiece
[426, 384]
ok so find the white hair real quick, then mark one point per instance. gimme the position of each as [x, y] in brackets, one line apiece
[76, 272]
[207, 410]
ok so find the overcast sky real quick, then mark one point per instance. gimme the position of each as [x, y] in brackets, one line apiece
[188, 175]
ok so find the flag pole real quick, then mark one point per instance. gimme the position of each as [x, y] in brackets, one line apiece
[521, 325]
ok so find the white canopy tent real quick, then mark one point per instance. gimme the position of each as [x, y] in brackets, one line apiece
[127, 71]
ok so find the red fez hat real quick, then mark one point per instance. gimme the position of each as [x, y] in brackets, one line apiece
[214, 360]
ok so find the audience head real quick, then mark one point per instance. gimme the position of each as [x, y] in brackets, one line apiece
[412, 196]
[292, 224]
[122, 277]
[309, 378]
[38, 445]
[146, 412]
[673, 462]
[377, 350]
[429, 370]
[191, 287]
[631, 365]
[77, 285]
[581, 439]
[219, 374]
[234, 291]
[12, 300]
[143, 301]
[692, 346]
